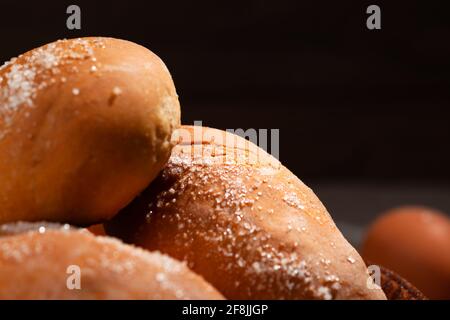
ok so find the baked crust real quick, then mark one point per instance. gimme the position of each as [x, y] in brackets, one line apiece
[35, 265]
[244, 222]
[85, 125]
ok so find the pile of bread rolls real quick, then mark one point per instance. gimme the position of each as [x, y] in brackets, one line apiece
[90, 133]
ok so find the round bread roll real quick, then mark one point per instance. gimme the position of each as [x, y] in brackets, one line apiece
[244, 222]
[413, 241]
[85, 125]
[45, 264]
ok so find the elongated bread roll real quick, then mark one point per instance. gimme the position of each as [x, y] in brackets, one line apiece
[46, 262]
[85, 125]
[245, 223]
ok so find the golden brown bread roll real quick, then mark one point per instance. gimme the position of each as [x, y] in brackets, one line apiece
[85, 125]
[413, 241]
[244, 222]
[39, 265]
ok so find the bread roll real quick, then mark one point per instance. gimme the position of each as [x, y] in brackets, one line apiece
[85, 125]
[413, 241]
[44, 264]
[244, 222]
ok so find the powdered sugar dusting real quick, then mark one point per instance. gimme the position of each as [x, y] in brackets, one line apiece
[291, 199]
[22, 78]
[325, 293]
[111, 256]
[22, 227]
[233, 189]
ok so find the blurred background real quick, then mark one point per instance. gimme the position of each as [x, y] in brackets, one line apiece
[363, 115]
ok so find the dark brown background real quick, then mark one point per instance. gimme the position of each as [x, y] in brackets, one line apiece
[363, 115]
